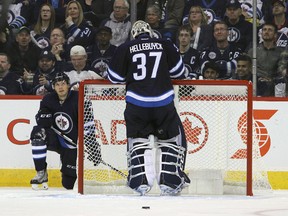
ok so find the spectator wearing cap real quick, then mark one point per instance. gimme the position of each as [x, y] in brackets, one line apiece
[279, 18]
[80, 69]
[45, 73]
[22, 52]
[240, 30]
[278, 15]
[102, 51]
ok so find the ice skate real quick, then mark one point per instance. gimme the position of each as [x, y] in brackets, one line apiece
[40, 181]
[168, 189]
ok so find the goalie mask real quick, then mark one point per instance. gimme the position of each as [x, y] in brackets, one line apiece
[141, 27]
[60, 77]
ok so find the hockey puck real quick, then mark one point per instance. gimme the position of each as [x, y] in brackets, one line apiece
[145, 207]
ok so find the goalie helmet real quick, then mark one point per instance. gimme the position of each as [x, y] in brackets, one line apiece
[60, 77]
[141, 27]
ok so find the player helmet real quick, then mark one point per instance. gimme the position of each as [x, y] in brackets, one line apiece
[60, 77]
[141, 27]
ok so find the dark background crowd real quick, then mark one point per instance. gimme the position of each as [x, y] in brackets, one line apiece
[79, 37]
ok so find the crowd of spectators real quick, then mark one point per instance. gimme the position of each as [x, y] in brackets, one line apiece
[42, 37]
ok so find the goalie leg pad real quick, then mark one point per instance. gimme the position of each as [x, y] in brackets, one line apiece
[140, 164]
[171, 160]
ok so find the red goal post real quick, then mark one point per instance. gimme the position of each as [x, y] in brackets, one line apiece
[218, 122]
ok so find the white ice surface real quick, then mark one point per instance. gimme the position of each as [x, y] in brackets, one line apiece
[54, 202]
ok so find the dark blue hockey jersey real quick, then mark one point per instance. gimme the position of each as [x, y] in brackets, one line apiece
[147, 66]
[214, 9]
[225, 59]
[65, 116]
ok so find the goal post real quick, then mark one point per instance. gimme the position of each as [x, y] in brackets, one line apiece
[218, 120]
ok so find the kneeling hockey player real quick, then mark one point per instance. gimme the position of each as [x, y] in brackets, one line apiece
[58, 114]
[146, 65]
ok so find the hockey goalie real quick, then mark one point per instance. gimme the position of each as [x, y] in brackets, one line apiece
[146, 65]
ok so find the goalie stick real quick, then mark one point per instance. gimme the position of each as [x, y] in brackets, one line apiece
[74, 144]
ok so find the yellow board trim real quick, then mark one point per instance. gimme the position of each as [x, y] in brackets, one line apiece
[21, 178]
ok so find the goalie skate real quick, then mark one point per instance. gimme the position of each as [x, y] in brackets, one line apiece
[40, 181]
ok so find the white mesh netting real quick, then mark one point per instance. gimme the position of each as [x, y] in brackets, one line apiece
[214, 117]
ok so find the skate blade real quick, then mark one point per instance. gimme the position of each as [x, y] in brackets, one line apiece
[143, 189]
[43, 186]
[168, 191]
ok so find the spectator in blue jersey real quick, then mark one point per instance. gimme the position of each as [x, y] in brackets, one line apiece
[240, 30]
[45, 24]
[102, 51]
[221, 52]
[268, 57]
[215, 10]
[119, 22]
[202, 32]
[279, 9]
[190, 55]
[10, 82]
[77, 30]
[146, 65]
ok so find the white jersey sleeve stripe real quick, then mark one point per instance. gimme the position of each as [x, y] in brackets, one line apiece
[114, 77]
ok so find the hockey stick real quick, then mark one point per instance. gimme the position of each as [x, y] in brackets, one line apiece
[74, 144]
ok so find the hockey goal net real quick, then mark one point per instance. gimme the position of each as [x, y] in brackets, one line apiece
[224, 151]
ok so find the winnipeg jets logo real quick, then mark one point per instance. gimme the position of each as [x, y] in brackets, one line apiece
[63, 122]
[43, 42]
[210, 15]
[234, 34]
[196, 131]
